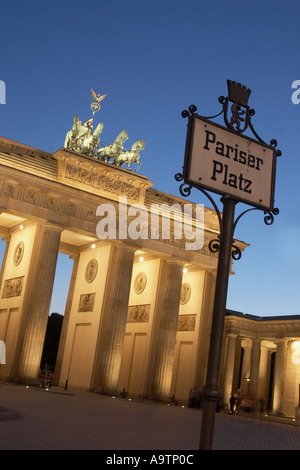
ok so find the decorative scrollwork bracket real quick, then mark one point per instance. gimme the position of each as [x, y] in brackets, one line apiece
[214, 244]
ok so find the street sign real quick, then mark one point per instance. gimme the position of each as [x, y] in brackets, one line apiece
[225, 162]
[241, 169]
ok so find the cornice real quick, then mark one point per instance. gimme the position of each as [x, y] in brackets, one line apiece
[262, 327]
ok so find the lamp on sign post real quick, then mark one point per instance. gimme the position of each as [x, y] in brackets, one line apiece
[241, 169]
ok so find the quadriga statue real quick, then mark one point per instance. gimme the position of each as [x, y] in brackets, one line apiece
[113, 150]
[131, 156]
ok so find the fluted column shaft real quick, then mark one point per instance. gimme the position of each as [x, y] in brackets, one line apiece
[39, 292]
[263, 373]
[167, 331]
[246, 368]
[229, 366]
[115, 318]
[65, 325]
[254, 368]
[279, 375]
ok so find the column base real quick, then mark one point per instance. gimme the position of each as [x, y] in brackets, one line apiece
[160, 398]
[107, 392]
[297, 415]
[33, 381]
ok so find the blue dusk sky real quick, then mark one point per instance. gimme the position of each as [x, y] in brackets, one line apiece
[153, 59]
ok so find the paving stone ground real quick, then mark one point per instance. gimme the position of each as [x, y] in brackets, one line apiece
[35, 419]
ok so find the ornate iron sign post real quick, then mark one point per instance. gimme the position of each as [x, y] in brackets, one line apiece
[241, 169]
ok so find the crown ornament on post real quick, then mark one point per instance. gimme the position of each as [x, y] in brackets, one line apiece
[238, 93]
[235, 107]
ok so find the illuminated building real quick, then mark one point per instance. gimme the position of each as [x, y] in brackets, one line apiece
[138, 312]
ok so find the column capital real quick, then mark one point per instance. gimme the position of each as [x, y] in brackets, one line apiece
[125, 246]
[74, 256]
[256, 341]
[119, 244]
[282, 340]
[231, 335]
[51, 226]
[176, 261]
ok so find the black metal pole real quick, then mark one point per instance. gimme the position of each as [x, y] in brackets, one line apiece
[211, 393]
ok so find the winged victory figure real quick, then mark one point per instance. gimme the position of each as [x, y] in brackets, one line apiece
[97, 98]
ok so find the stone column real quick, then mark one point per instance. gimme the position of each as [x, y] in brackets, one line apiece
[279, 375]
[229, 367]
[64, 330]
[263, 374]
[246, 366]
[7, 241]
[167, 331]
[205, 327]
[38, 294]
[236, 381]
[254, 368]
[115, 317]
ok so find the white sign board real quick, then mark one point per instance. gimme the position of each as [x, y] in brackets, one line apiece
[224, 162]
